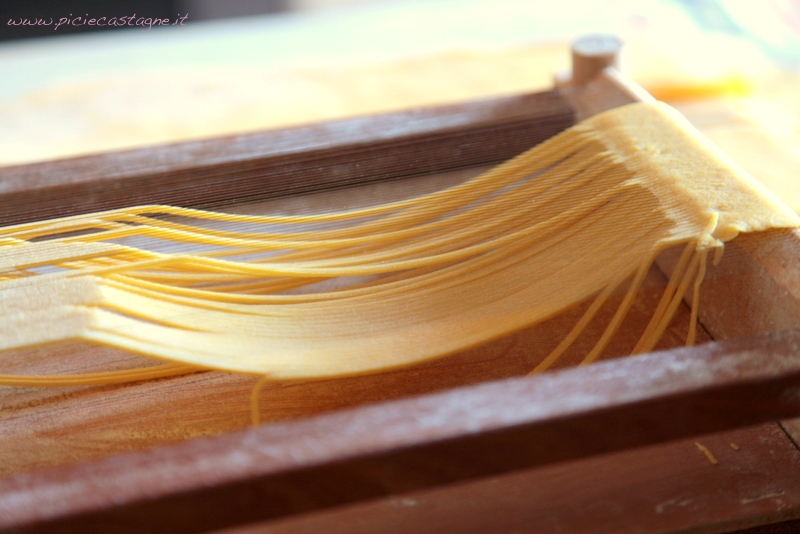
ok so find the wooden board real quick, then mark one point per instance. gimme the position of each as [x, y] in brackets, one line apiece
[250, 167]
[666, 488]
[280, 470]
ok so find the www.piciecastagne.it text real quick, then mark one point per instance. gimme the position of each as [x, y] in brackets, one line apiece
[147, 23]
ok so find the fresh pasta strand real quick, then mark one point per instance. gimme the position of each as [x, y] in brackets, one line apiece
[361, 291]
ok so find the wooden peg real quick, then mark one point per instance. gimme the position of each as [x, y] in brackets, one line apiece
[591, 54]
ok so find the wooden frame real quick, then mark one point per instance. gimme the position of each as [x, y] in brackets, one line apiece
[442, 440]
[256, 166]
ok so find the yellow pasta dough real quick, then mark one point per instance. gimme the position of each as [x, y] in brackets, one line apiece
[576, 217]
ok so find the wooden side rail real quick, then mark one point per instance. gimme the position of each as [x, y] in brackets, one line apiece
[255, 166]
[280, 470]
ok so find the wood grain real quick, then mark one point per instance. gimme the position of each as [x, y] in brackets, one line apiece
[250, 167]
[413, 444]
[665, 488]
[756, 286]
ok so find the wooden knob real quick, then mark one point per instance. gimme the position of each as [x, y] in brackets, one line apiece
[593, 53]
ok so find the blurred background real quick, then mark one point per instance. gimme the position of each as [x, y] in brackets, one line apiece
[732, 66]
